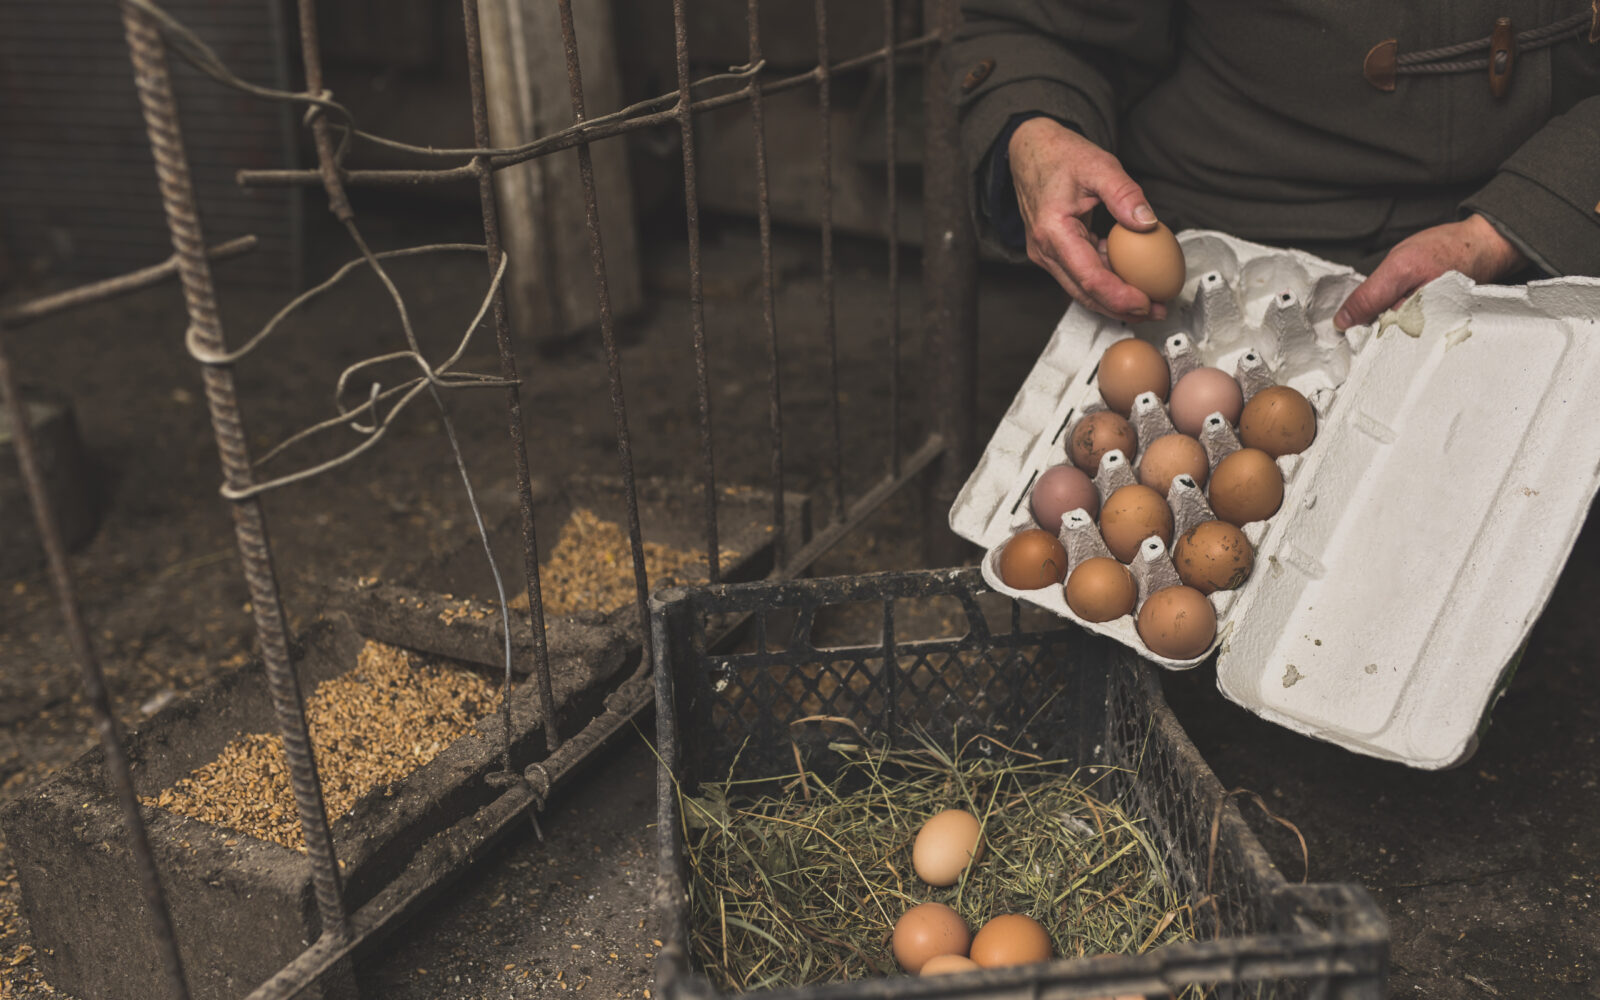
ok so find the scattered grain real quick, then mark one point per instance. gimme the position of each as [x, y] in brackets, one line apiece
[374, 725]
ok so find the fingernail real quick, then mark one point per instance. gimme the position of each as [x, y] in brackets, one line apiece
[1143, 215]
[1158, 311]
[1341, 320]
[1139, 311]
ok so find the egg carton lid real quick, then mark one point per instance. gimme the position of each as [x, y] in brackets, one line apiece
[1411, 557]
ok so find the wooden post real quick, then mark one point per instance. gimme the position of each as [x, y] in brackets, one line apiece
[550, 279]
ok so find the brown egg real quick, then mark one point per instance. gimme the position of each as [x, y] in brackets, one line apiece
[1062, 488]
[1130, 368]
[925, 931]
[1132, 514]
[1178, 623]
[1151, 262]
[1201, 393]
[1097, 434]
[1032, 559]
[944, 965]
[1212, 556]
[1170, 456]
[1101, 590]
[1246, 486]
[947, 842]
[1011, 939]
[1279, 421]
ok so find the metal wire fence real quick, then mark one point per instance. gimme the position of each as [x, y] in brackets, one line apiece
[947, 331]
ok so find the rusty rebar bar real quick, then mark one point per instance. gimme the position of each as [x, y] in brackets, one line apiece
[769, 315]
[508, 369]
[830, 329]
[608, 335]
[94, 681]
[154, 83]
[697, 311]
[591, 131]
[891, 227]
[327, 163]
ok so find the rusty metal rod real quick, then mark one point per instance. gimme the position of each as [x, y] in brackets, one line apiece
[830, 330]
[508, 369]
[950, 299]
[327, 163]
[94, 681]
[154, 83]
[891, 227]
[572, 135]
[697, 312]
[608, 335]
[48, 305]
[768, 308]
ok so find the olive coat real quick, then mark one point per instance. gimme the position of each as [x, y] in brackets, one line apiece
[1329, 125]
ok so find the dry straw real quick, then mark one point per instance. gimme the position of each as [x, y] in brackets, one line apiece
[804, 886]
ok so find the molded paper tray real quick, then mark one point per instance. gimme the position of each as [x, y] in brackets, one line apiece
[1420, 535]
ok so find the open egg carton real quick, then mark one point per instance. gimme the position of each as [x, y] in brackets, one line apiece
[1457, 452]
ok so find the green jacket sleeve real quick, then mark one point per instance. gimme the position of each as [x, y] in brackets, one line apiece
[1545, 198]
[1079, 61]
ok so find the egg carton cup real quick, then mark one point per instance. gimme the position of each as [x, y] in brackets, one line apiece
[1420, 534]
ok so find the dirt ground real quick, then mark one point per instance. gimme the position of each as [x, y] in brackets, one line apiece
[1487, 872]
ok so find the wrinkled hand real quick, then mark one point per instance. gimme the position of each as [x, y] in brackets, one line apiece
[1472, 246]
[1060, 177]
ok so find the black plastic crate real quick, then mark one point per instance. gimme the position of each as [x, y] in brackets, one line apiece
[1258, 934]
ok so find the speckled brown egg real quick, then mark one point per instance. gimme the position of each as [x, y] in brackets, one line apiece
[1032, 558]
[1213, 556]
[1101, 590]
[1062, 488]
[1201, 393]
[1132, 514]
[1246, 486]
[1279, 421]
[927, 930]
[1170, 456]
[1177, 623]
[1097, 434]
[1130, 368]
[1151, 262]
[1011, 939]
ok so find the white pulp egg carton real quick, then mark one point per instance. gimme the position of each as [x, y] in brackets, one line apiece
[1457, 453]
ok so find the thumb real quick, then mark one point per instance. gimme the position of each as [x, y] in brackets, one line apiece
[1122, 196]
[1380, 291]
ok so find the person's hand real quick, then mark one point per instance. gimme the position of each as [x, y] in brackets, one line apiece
[1472, 246]
[1060, 177]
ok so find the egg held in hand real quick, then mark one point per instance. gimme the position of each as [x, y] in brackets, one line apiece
[1246, 486]
[1279, 421]
[1128, 369]
[1151, 262]
[927, 930]
[1098, 433]
[1011, 939]
[1201, 393]
[1032, 558]
[1101, 590]
[1177, 623]
[945, 845]
[1062, 488]
[1132, 514]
